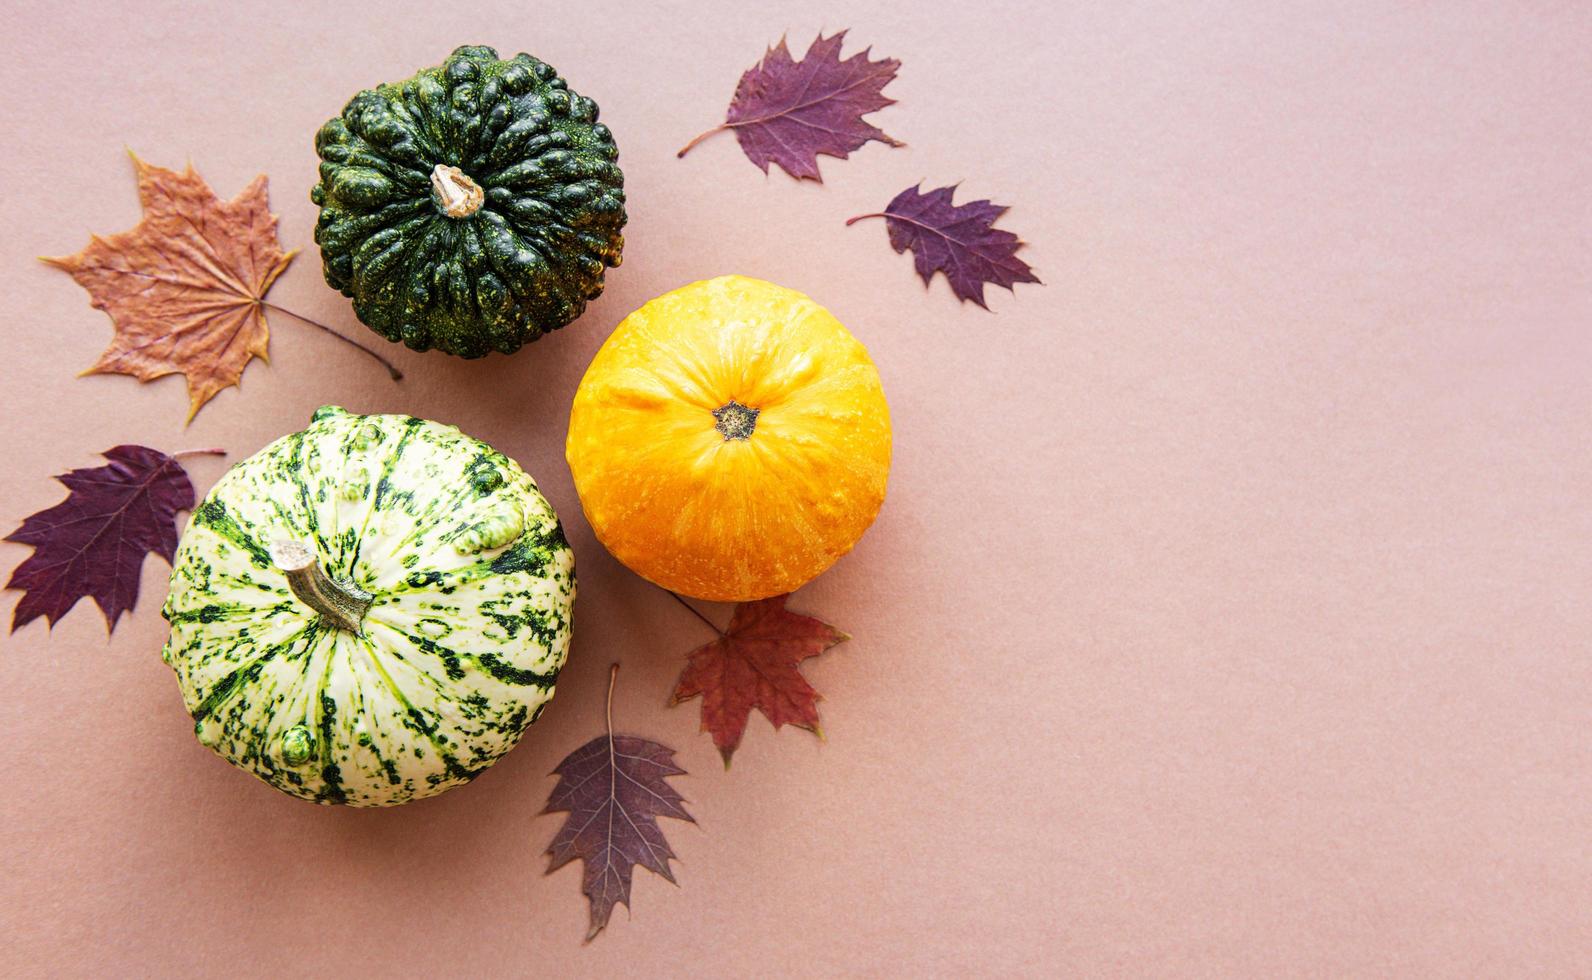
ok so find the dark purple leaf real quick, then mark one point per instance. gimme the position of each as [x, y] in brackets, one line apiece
[958, 240]
[788, 112]
[93, 543]
[615, 789]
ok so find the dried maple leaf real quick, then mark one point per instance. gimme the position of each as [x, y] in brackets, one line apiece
[788, 112]
[753, 664]
[958, 240]
[185, 287]
[93, 543]
[615, 788]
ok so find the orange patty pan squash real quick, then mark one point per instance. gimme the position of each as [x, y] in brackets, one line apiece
[730, 441]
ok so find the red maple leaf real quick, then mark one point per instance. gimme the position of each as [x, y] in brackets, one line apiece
[957, 240]
[753, 664]
[615, 789]
[788, 112]
[93, 543]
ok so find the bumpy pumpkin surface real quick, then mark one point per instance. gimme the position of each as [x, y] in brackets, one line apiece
[471, 208]
[369, 611]
[730, 441]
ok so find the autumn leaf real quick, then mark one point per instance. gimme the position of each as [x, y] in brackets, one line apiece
[185, 287]
[615, 788]
[788, 112]
[93, 543]
[957, 240]
[753, 664]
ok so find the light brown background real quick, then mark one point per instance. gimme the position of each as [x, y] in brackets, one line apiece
[1229, 612]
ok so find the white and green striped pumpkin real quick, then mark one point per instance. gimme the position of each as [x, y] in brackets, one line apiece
[370, 611]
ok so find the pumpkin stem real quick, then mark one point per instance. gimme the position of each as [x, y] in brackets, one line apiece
[735, 421]
[341, 604]
[457, 195]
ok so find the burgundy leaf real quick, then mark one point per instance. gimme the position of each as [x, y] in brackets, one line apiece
[615, 789]
[753, 664]
[958, 240]
[93, 543]
[788, 112]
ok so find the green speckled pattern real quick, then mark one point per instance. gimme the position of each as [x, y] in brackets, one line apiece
[527, 262]
[473, 587]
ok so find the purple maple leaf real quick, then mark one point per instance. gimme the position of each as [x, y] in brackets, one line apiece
[788, 112]
[93, 543]
[615, 789]
[957, 240]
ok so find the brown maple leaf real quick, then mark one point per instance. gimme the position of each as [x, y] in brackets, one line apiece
[753, 664]
[185, 288]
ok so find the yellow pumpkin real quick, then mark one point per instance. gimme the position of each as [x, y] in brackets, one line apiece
[730, 440]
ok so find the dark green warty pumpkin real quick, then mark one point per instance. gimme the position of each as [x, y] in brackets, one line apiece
[471, 208]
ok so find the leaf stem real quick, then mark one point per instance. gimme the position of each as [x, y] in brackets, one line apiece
[198, 452]
[871, 214]
[613, 675]
[687, 148]
[695, 612]
[913, 221]
[396, 374]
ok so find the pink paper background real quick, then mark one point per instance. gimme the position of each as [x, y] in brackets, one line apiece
[1229, 613]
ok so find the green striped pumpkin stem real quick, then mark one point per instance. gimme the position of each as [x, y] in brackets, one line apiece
[340, 604]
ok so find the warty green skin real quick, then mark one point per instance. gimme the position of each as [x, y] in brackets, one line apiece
[527, 262]
[473, 586]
